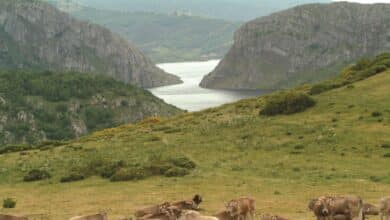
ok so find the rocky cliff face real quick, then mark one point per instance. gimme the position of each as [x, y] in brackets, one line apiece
[302, 44]
[34, 34]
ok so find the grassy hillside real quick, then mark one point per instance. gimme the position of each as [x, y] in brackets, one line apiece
[37, 106]
[167, 38]
[336, 143]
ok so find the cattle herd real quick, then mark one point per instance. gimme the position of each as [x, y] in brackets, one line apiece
[324, 208]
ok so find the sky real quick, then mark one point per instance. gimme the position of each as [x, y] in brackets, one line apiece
[365, 1]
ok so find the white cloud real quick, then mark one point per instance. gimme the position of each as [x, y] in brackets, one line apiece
[365, 1]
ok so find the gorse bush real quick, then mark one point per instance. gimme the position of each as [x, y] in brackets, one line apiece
[155, 165]
[287, 103]
[72, 178]
[36, 175]
[176, 172]
[183, 162]
[131, 173]
[9, 203]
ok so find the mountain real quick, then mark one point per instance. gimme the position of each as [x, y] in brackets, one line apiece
[165, 38]
[302, 44]
[335, 142]
[233, 10]
[39, 106]
[33, 34]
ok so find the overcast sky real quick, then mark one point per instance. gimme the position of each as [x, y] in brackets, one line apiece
[365, 1]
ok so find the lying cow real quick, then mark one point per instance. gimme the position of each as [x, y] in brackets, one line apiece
[224, 215]
[189, 204]
[345, 207]
[10, 217]
[101, 216]
[170, 213]
[194, 215]
[241, 208]
[369, 209]
[152, 210]
[384, 208]
[272, 217]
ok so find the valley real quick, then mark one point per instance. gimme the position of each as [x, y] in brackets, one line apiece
[296, 108]
[283, 161]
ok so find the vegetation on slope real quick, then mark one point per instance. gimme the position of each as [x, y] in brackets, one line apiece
[36, 106]
[338, 146]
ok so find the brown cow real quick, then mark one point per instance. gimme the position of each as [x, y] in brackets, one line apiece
[152, 210]
[194, 215]
[272, 217]
[241, 208]
[350, 207]
[171, 213]
[384, 208]
[101, 216]
[224, 215]
[369, 209]
[10, 217]
[189, 204]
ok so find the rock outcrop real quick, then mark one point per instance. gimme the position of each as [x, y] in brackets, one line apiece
[303, 44]
[34, 34]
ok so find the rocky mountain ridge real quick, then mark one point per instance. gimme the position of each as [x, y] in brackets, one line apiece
[303, 44]
[34, 34]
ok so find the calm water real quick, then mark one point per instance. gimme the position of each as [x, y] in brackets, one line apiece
[189, 95]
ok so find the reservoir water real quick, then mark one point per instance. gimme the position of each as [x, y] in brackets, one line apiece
[189, 95]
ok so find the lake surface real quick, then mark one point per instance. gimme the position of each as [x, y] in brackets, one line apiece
[189, 95]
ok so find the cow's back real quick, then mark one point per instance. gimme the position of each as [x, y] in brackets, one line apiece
[91, 217]
[10, 217]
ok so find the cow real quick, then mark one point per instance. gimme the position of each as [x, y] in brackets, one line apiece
[272, 217]
[241, 208]
[326, 207]
[224, 215]
[101, 216]
[189, 204]
[369, 209]
[384, 208]
[171, 213]
[152, 210]
[194, 215]
[10, 217]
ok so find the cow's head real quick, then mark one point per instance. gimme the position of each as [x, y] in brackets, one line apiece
[232, 208]
[197, 199]
[321, 207]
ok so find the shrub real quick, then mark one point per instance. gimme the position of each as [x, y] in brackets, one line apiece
[287, 103]
[109, 170]
[35, 175]
[160, 168]
[132, 173]
[376, 114]
[323, 87]
[9, 203]
[299, 147]
[386, 145]
[183, 162]
[176, 172]
[72, 178]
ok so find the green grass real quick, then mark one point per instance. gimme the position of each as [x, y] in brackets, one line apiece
[334, 147]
